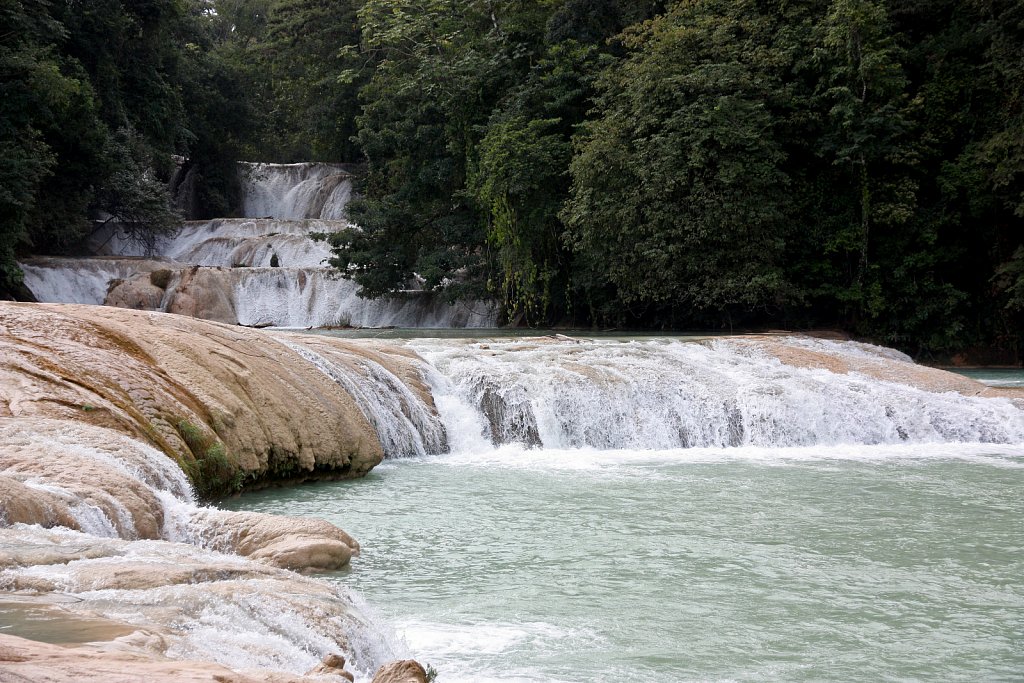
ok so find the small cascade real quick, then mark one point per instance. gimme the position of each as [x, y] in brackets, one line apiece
[129, 544]
[235, 242]
[54, 279]
[405, 425]
[104, 483]
[295, 191]
[320, 297]
[265, 269]
[675, 394]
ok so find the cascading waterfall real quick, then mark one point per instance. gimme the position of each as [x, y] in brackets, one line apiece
[80, 281]
[404, 424]
[322, 298]
[674, 394]
[295, 191]
[264, 269]
[232, 242]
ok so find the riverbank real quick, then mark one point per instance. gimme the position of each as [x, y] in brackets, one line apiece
[103, 413]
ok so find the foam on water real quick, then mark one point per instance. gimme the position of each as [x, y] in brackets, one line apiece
[669, 394]
[488, 640]
[229, 242]
[644, 463]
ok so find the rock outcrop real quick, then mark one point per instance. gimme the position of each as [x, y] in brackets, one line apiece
[28, 661]
[155, 601]
[298, 543]
[405, 671]
[878, 362]
[232, 406]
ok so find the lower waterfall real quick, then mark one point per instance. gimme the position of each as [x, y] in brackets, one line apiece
[80, 280]
[670, 394]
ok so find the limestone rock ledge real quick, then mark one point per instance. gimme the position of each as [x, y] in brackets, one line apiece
[27, 660]
[233, 406]
[158, 600]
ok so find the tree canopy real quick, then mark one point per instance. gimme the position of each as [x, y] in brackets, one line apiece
[658, 164]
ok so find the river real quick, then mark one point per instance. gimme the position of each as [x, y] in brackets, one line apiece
[581, 559]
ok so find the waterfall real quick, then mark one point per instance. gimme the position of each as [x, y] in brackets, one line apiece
[404, 424]
[231, 242]
[295, 191]
[79, 280]
[664, 394]
[322, 298]
[265, 269]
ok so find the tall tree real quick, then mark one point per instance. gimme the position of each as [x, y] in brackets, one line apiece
[679, 194]
[315, 71]
[33, 87]
[441, 66]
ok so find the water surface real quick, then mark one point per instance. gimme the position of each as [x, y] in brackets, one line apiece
[995, 377]
[852, 563]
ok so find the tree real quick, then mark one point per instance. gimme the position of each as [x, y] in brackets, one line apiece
[521, 181]
[315, 76]
[441, 67]
[678, 195]
[33, 86]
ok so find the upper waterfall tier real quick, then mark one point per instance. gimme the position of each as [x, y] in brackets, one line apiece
[268, 269]
[295, 191]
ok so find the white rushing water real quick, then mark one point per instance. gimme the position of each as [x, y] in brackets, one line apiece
[322, 298]
[230, 242]
[295, 191]
[660, 394]
[265, 268]
[405, 425]
[79, 280]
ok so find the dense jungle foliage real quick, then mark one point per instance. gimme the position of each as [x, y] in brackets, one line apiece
[617, 163]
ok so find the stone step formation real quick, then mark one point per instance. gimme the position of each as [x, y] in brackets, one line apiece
[264, 268]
